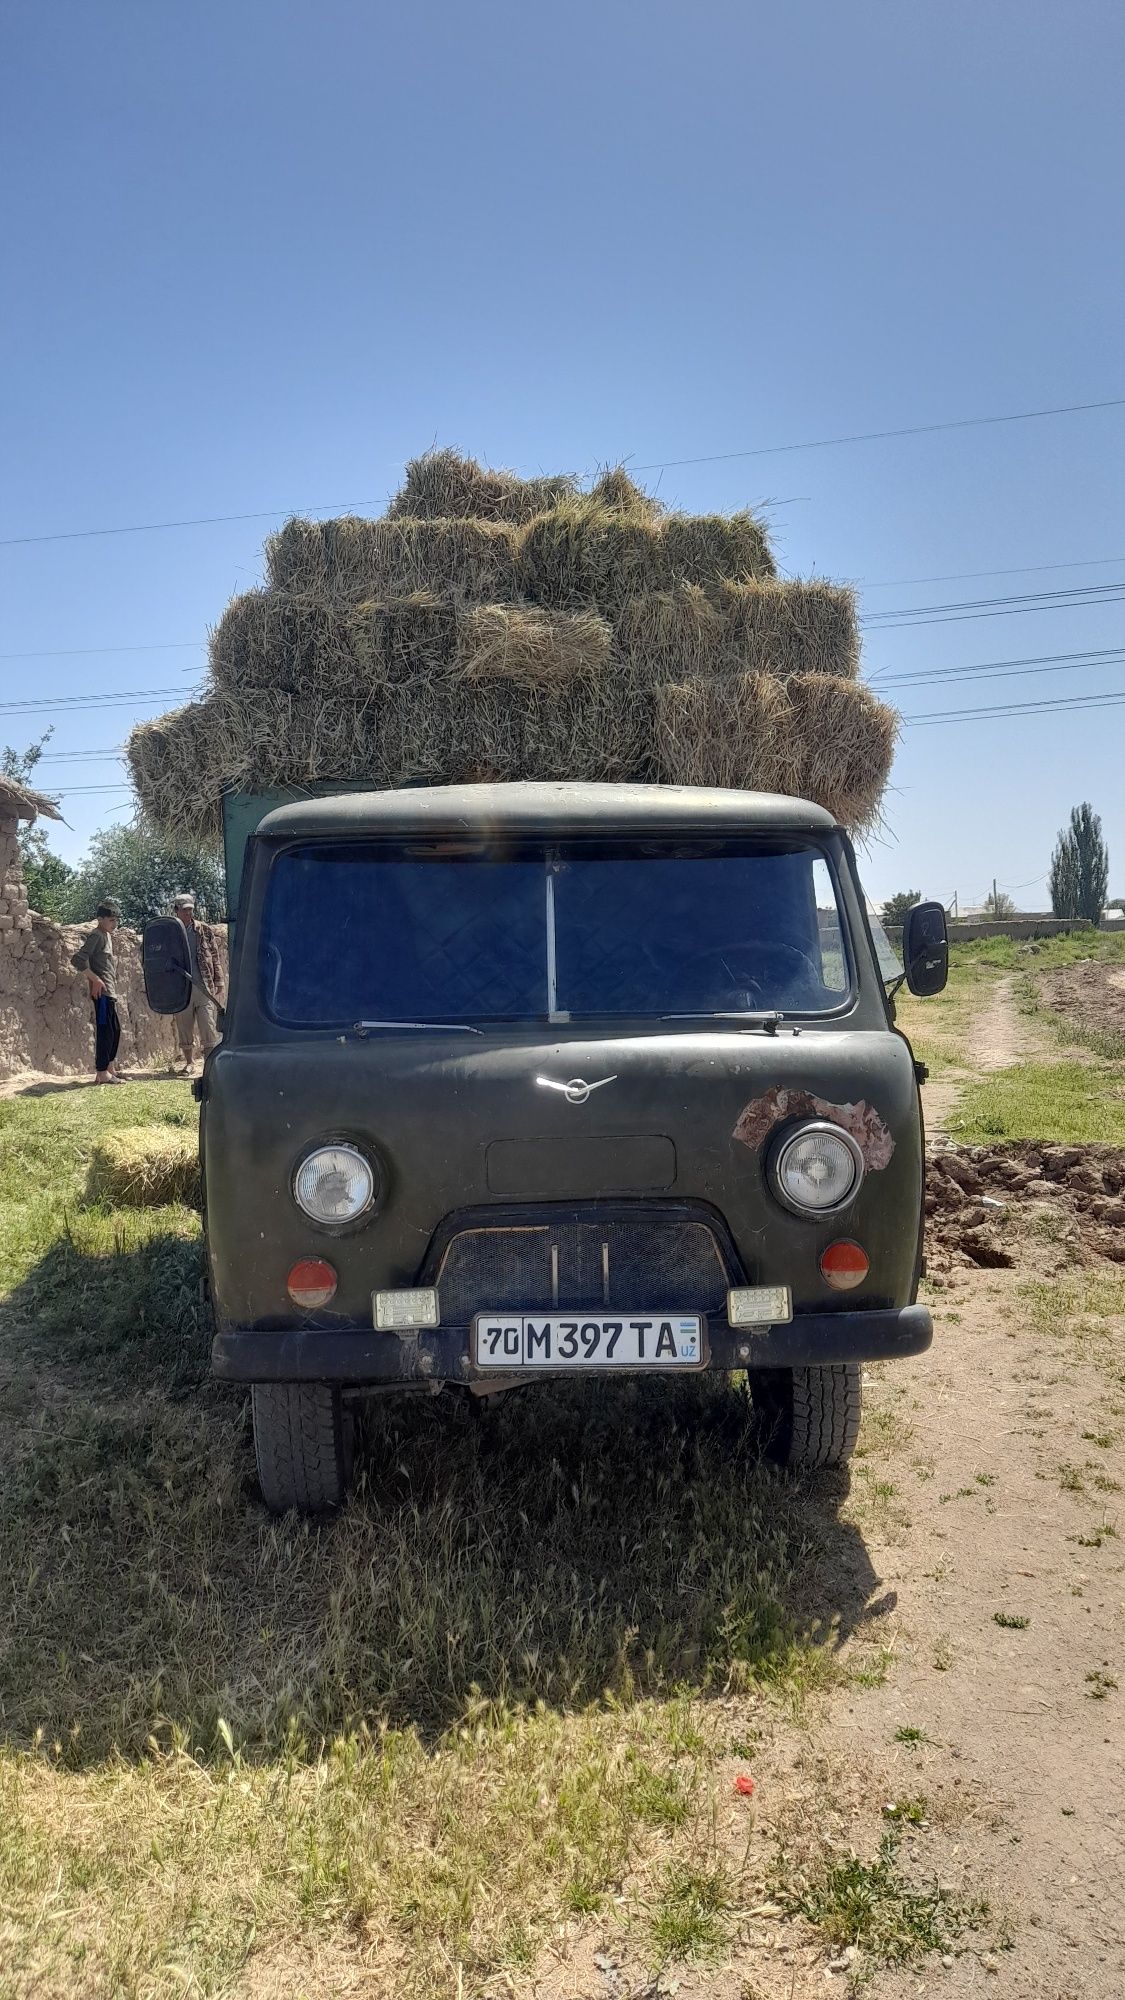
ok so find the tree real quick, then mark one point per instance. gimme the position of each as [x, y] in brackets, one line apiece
[1079, 877]
[999, 904]
[143, 871]
[46, 875]
[895, 907]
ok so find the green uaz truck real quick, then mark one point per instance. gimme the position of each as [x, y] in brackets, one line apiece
[527, 1080]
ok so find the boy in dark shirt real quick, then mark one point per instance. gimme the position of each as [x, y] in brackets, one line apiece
[95, 958]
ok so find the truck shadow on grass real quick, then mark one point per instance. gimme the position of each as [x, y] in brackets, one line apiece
[586, 1542]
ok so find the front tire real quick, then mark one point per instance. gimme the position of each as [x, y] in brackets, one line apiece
[809, 1417]
[303, 1446]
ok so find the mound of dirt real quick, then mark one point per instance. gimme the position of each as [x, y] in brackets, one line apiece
[1089, 993]
[979, 1197]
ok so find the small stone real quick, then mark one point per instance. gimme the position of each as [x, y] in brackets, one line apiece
[947, 1959]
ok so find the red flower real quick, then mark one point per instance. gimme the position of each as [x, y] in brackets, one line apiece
[744, 1785]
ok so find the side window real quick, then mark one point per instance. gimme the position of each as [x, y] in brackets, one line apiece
[833, 957]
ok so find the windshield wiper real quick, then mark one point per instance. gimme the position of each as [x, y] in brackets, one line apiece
[769, 1022]
[438, 1027]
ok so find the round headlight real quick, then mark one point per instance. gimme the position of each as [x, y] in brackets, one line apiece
[334, 1185]
[818, 1169]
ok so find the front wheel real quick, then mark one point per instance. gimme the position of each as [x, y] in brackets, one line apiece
[809, 1417]
[303, 1444]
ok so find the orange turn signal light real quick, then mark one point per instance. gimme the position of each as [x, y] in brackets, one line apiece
[844, 1265]
[311, 1283]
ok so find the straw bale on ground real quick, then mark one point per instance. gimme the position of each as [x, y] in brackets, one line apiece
[812, 736]
[145, 1166]
[444, 486]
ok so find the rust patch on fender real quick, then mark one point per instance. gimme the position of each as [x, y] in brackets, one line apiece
[758, 1118]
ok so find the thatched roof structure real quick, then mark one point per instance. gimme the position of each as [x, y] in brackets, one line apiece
[22, 802]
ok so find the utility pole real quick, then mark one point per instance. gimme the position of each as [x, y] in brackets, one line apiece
[995, 911]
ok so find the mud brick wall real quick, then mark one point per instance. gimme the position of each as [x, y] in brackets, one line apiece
[45, 1016]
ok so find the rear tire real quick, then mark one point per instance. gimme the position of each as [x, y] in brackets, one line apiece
[303, 1444]
[809, 1417]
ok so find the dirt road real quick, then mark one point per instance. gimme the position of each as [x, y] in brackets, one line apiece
[992, 1516]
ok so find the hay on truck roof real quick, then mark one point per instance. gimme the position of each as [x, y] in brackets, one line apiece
[318, 649]
[354, 559]
[765, 626]
[491, 627]
[442, 485]
[812, 736]
[582, 553]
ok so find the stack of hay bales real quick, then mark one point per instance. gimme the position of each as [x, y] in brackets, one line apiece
[490, 627]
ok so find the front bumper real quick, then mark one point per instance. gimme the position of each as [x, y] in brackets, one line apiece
[354, 1358]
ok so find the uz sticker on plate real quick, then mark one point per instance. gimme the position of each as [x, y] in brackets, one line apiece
[556, 1340]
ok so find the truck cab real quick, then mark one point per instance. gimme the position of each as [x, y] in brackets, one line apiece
[527, 1080]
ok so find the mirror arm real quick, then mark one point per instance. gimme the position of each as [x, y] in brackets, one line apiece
[892, 985]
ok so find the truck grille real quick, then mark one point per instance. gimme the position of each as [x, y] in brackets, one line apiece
[586, 1259]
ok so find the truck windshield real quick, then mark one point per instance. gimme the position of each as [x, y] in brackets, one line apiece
[352, 933]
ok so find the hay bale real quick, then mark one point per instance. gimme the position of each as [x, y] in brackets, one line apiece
[515, 642]
[441, 485]
[581, 553]
[320, 648]
[812, 736]
[409, 639]
[175, 764]
[266, 638]
[617, 490]
[714, 548]
[469, 561]
[766, 626]
[792, 627]
[145, 1166]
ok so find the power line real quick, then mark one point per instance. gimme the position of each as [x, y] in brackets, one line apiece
[931, 718]
[654, 465]
[1038, 663]
[121, 698]
[1072, 597]
[197, 521]
[968, 575]
[81, 652]
[870, 437]
[81, 791]
[77, 756]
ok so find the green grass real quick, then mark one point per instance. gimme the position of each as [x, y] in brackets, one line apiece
[1067, 1103]
[239, 1754]
[692, 1918]
[873, 1906]
[1011, 1620]
[1063, 1101]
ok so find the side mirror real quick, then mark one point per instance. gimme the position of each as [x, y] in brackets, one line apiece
[166, 958]
[925, 948]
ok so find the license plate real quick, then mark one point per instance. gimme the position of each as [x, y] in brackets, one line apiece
[568, 1340]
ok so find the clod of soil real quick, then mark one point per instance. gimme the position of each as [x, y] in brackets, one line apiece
[1083, 1186]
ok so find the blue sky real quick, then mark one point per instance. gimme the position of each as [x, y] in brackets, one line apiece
[256, 255]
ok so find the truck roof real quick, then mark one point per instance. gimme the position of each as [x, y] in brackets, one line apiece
[525, 808]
